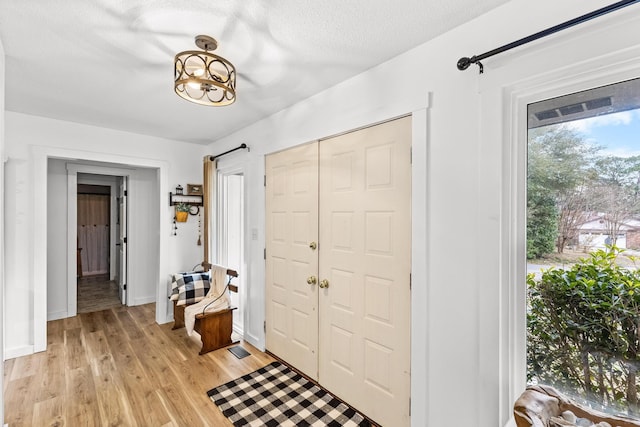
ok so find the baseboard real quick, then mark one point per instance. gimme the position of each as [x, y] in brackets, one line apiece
[238, 330]
[254, 341]
[57, 315]
[12, 353]
[144, 300]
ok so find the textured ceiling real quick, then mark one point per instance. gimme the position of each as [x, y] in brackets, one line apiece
[109, 63]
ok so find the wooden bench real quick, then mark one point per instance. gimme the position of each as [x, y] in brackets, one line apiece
[215, 328]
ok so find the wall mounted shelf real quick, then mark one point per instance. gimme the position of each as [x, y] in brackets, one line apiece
[189, 199]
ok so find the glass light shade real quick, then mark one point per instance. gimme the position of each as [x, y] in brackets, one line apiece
[204, 78]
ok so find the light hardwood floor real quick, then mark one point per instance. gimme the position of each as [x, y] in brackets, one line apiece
[117, 367]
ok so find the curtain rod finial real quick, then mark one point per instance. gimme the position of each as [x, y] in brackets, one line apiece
[463, 63]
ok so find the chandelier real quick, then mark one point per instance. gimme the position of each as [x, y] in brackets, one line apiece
[205, 78]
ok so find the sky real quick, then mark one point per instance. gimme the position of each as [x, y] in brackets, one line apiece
[618, 133]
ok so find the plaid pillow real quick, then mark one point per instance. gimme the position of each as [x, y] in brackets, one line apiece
[177, 281]
[189, 288]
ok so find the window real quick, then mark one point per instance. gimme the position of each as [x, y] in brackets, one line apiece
[231, 211]
[583, 246]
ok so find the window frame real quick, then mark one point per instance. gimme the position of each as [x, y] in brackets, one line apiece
[516, 98]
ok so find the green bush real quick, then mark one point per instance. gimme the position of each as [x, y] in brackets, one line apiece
[583, 331]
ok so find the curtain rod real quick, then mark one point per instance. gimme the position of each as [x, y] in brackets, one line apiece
[465, 62]
[240, 147]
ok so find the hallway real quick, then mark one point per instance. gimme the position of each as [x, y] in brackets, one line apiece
[97, 293]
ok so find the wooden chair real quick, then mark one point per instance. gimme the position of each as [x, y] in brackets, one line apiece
[215, 328]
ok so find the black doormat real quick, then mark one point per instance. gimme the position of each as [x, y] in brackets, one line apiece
[276, 396]
[239, 352]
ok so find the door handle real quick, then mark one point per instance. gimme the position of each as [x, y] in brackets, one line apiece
[312, 280]
[313, 246]
[324, 284]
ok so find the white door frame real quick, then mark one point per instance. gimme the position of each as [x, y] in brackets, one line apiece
[72, 224]
[40, 156]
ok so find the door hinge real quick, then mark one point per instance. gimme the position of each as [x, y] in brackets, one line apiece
[124, 286]
[265, 326]
[265, 253]
[409, 406]
[410, 281]
[124, 240]
[125, 193]
[265, 180]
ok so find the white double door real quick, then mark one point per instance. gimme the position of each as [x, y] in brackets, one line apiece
[338, 264]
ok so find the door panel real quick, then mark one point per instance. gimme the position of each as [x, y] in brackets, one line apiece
[351, 333]
[365, 233]
[291, 225]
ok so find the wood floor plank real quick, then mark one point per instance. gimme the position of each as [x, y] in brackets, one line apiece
[97, 293]
[114, 406]
[141, 316]
[8, 368]
[50, 412]
[55, 331]
[115, 409]
[26, 366]
[118, 367]
[75, 353]
[90, 321]
[137, 385]
[17, 411]
[83, 408]
[129, 325]
[51, 381]
[71, 322]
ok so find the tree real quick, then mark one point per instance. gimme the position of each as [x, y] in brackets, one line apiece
[560, 163]
[542, 222]
[617, 192]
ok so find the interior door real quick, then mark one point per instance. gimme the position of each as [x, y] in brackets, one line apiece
[365, 266]
[292, 257]
[122, 241]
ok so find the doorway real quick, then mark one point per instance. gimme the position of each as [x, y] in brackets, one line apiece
[97, 289]
[96, 221]
[100, 220]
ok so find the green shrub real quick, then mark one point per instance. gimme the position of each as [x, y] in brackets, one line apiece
[582, 331]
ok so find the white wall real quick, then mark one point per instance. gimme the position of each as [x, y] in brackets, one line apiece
[2, 275]
[56, 239]
[29, 136]
[468, 196]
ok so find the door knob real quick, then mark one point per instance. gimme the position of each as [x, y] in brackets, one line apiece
[324, 284]
[312, 280]
[313, 245]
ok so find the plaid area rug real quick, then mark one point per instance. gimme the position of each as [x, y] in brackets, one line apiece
[276, 396]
